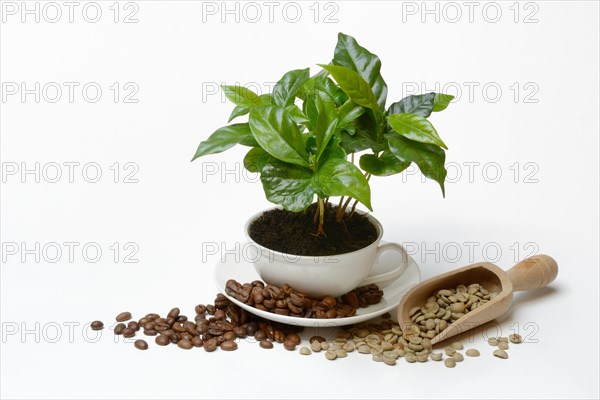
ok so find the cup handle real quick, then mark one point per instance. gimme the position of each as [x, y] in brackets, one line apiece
[393, 274]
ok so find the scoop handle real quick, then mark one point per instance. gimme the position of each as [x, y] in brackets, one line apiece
[533, 273]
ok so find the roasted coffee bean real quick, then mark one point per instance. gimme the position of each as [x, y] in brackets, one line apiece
[141, 344]
[289, 345]
[160, 327]
[184, 344]
[265, 344]
[319, 339]
[181, 318]
[178, 328]
[229, 345]
[152, 317]
[197, 342]
[173, 337]
[97, 325]
[210, 309]
[295, 338]
[220, 339]
[134, 325]
[279, 336]
[199, 318]
[148, 326]
[219, 315]
[143, 321]
[119, 328]
[174, 313]
[162, 340]
[124, 316]
[230, 335]
[260, 335]
[128, 332]
[185, 336]
[240, 332]
[251, 329]
[150, 332]
[210, 345]
[200, 309]
[170, 321]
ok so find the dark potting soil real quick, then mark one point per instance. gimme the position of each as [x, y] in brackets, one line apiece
[295, 233]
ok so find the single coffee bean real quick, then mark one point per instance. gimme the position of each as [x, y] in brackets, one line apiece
[141, 344]
[160, 327]
[148, 326]
[472, 353]
[197, 342]
[265, 344]
[185, 336]
[230, 335]
[316, 346]
[493, 341]
[318, 339]
[152, 317]
[260, 335]
[170, 321]
[134, 325]
[184, 344]
[162, 340]
[128, 332]
[173, 337]
[450, 362]
[124, 316]
[97, 325]
[458, 357]
[174, 313]
[377, 357]
[279, 336]
[210, 309]
[200, 309]
[210, 344]
[119, 328]
[295, 338]
[515, 338]
[501, 354]
[151, 332]
[503, 346]
[289, 344]
[457, 346]
[436, 356]
[240, 332]
[305, 351]
[219, 315]
[229, 345]
[410, 357]
[330, 355]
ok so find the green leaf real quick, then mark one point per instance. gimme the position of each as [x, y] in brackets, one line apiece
[332, 151]
[420, 104]
[358, 142]
[288, 86]
[275, 131]
[225, 138]
[354, 86]
[429, 158]
[241, 96]
[253, 159]
[287, 185]
[415, 127]
[348, 53]
[441, 101]
[326, 122]
[297, 114]
[342, 178]
[348, 112]
[384, 165]
[322, 82]
[238, 111]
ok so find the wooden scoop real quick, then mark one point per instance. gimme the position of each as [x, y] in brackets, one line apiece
[532, 273]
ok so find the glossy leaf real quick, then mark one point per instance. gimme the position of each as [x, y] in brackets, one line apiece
[332, 151]
[238, 111]
[348, 53]
[326, 122]
[225, 138]
[358, 142]
[441, 101]
[415, 127]
[288, 185]
[252, 160]
[297, 114]
[241, 96]
[342, 178]
[354, 86]
[420, 104]
[348, 112]
[384, 165]
[429, 158]
[285, 91]
[275, 131]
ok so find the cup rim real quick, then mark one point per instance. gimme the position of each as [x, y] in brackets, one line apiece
[371, 218]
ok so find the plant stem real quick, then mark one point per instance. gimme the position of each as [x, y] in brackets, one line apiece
[321, 209]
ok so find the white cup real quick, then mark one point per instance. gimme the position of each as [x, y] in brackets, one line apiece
[326, 275]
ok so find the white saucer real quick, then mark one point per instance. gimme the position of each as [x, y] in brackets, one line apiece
[243, 271]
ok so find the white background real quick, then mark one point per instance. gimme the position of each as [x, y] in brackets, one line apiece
[176, 54]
